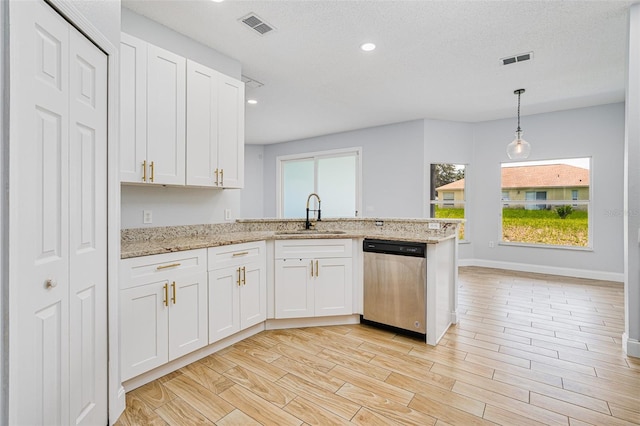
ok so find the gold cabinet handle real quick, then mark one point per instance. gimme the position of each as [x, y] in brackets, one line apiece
[317, 270]
[238, 271]
[244, 275]
[166, 295]
[144, 171]
[216, 173]
[221, 177]
[171, 265]
[173, 289]
[241, 253]
[153, 169]
[312, 268]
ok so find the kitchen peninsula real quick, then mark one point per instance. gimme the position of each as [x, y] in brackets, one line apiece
[204, 287]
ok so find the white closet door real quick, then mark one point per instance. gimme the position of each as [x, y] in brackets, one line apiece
[87, 231]
[39, 351]
[45, 137]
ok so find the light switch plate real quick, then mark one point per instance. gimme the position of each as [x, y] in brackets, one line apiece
[147, 216]
[227, 214]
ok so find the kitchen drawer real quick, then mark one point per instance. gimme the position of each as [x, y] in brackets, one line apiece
[146, 269]
[313, 248]
[235, 254]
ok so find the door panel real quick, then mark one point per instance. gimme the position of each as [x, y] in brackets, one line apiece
[333, 287]
[39, 352]
[188, 315]
[88, 231]
[294, 296]
[166, 90]
[253, 296]
[231, 131]
[224, 296]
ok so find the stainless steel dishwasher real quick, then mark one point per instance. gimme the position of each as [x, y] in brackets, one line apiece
[395, 285]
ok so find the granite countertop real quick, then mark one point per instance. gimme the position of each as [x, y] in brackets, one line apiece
[149, 241]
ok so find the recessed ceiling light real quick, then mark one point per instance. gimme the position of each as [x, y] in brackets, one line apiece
[217, 1]
[252, 101]
[368, 47]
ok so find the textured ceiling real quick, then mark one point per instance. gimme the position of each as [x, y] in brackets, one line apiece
[434, 59]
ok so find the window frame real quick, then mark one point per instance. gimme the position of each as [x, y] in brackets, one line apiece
[431, 203]
[315, 155]
[552, 203]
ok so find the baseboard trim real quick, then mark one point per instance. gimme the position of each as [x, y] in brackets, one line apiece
[279, 324]
[630, 346]
[542, 269]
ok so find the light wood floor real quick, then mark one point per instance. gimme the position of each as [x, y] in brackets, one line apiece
[529, 349]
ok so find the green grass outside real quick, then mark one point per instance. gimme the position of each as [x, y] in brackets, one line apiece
[534, 226]
[452, 213]
[545, 227]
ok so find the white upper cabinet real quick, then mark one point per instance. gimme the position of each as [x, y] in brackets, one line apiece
[181, 122]
[215, 128]
[231, 132]
[152, 114]
[166, 92]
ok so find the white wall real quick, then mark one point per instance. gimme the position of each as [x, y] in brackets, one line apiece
[175, 205]
[159, 35]
[632, 191]
[251, 196]
[450, 142]
[392, 171]
[596, 132]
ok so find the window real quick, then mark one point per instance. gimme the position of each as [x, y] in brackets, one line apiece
[447, 198]
[333, 175]
[563, 218]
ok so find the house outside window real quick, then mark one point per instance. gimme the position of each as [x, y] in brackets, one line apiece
[447, 193]
[563, 219]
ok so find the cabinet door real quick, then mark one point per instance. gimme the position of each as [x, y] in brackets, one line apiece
[187, 314]
[133, 108]
[144, 329]
[333, 287]
[253, 295]
[294, 296]
[224, 303]
[231, 131]
[202, 125]
[166, 91]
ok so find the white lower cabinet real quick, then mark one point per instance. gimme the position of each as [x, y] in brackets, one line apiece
[313, 278]
[163, 303]
[237, 288]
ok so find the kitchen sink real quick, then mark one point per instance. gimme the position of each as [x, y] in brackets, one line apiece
[309, 232]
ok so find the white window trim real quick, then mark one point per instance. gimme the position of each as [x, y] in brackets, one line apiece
[315, 155]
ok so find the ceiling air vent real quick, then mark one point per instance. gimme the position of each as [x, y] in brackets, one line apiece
[517, 58]
[257, 24]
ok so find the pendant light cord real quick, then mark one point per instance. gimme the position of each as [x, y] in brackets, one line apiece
[518, 129]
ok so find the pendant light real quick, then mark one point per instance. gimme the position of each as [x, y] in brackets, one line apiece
[519, 149]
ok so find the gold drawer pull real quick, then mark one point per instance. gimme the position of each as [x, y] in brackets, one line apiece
[153, 171]
[244, 275]
[241, 253]
[144, 171]
[173, 288]
[238, 271]
[172, 265]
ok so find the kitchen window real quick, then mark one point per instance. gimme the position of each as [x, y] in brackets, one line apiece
[333, 175]
[547, 203]
[447, 194]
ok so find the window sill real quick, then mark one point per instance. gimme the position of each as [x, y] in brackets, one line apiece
[544, 246]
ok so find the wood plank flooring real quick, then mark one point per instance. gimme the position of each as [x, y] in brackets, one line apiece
[528, 349]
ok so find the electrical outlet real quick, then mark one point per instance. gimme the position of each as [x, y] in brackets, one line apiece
[147, 216]
[379, 222]
[434, 225]
[492, 244]
[227, 214]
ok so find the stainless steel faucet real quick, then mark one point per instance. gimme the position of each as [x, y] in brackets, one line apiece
[307, 224]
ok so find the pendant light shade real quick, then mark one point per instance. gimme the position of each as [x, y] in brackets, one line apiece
[518, 149]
